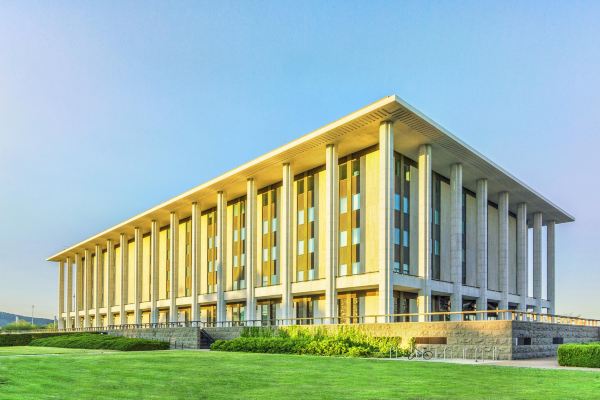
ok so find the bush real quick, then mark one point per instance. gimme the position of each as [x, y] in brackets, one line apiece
[346, 341]
[23, 339]
[579, 355]
[20, 325]
[97, 341]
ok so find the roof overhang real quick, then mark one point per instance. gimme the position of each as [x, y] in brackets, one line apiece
[351, 133]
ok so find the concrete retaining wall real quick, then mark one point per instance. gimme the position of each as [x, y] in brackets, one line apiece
[542, 335]
[503, 339]
[180, 338]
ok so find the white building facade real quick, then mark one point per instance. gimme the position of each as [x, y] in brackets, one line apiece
[380, 216]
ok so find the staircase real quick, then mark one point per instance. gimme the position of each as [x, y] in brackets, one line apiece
[204, 340]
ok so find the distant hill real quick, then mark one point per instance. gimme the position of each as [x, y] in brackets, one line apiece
[7, 318]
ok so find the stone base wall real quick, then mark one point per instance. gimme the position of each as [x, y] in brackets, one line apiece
[179, 338]
[543, 334]
[504, 340]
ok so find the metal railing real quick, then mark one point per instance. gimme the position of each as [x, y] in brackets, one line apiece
[455, 316]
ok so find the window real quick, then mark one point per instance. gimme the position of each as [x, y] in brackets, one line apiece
[210, 243]
[343, 270]
[265, 228]
[235, 235]
[405, 205]
[243, 233]
[265, 256]
[274, 253]
[243, 260]
[436, 247]
[356, 201]
[300, 247]
[355, 268]
[405, 239]
[311, 245]
[397, 202]
[274, 224]
[343, 205]
[311, 214]
[396, 267]
[300, 217]
[235, 260]
[210, 266]
[343, 239]
[397, 236]
[356, 236]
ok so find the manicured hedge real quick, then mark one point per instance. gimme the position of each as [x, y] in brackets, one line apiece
[346, 342]
[97, 341]
[23, 339]
[579, 355]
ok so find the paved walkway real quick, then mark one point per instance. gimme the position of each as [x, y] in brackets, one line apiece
[543, 363]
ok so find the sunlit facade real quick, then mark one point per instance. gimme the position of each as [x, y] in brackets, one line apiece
[374, 216]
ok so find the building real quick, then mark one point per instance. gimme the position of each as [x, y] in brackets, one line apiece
[382, 212]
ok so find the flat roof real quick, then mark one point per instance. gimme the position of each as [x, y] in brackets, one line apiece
[351, 133]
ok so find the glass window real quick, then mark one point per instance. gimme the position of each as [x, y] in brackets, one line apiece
[405, 205]
[274, 253]
[243, 260]
[235, 235]
[236, 210]
[274, 225]
[343, 270]
[311, 214]
[210, 266]
[343, 239]
[243, 233]
[300, 247]
[265, 227]
[397, 236]
[356, 201]
[355, 167]
[436, 217]
[405, 269]
[397, 202]
[343, 172]
[300, 186]
[405, 238]
[343, 205]
[311, 245]
[356, 236]
[300, 217]
[436, 247]
[396, 267]
[235, 261]
[265, 255]
[355, 268]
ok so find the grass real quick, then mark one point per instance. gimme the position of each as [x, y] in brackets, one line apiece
[30, 351]
[217, 375]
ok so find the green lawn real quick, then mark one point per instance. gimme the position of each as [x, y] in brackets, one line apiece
[214, 375]
[26, 350]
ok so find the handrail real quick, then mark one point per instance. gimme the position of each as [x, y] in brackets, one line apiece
[441, 316]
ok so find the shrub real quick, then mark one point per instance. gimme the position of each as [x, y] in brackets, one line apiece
[346, 341]
[20, 325]
[579, 355]
[97, 341]
[23, 339]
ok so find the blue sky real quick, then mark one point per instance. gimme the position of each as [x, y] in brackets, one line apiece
[107, 109]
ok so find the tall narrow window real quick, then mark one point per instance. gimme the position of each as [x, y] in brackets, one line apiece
[270, 235]
[402, 176]
[211, 251]
[305, 268]
[436, 231]
[238, 247]
[350, 217]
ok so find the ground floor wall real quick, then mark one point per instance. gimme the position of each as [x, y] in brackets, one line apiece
[503, 340]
